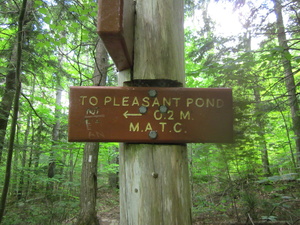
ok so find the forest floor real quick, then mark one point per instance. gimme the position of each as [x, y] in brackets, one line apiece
[239, 203]
[109, 210]
[277, 207]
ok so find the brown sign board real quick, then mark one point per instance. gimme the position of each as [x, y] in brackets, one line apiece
[115, 27]
[150, 115]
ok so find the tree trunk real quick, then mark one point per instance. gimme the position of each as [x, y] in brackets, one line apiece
[154, 179]
[71, 171]
[289, 78]
[10, 82]
[29, 181]
[113, 178]
[159, 40]
[56, 127]
[261, 133]
[15, 110]
[38, 142]
[88, 188]
[154, 185]
[55, 139]
[21, 190]
[7, 98]
[259, 118]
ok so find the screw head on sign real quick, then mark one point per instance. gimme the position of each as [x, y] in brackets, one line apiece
[163, 109]
[154, 175]
[152, 93]
[153, 134]
[143, 109]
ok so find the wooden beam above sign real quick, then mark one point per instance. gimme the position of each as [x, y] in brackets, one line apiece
[115, 27]
[151, 115]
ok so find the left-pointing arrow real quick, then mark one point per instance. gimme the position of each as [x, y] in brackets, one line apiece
[126, 114]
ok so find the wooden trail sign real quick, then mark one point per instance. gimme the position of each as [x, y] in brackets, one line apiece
[115, 27]
[150, 114]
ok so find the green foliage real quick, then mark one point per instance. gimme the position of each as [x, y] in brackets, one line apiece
[262, 120]
[227, 180]
[269, 218]
[39, 212]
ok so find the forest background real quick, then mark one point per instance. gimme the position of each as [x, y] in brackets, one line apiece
[250, 46]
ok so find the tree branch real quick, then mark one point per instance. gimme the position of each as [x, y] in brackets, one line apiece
[35, 112]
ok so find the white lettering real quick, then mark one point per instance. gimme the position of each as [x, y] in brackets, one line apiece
[176, 129]
[162, 126]
[156, 117]
[210, 102]
[82, 99]
[198, 104]
[189, 101]
[155, 102]
[220, 103]
[116, 104]
[176, 101]
[135, 101]
[134, 128]
[88, 124]
[107, 99]
[93, 100]
[125, 101]
[185, 116]
[148, 127]
[146, 101]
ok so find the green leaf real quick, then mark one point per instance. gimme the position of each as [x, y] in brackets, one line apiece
[63, 23]
[93, 14]
[43, 10]
[83, 18]
[297, 58]
[287, 55]
[72, 29]
[56, 43]
[63, 40]
[264, 64]
[277, 49]
[75, 25]
[73, 8]
[2, 70]
[60, 28]
[47, 20]
[38, 3]
[40, 44]
[40, 37]
[85, 11]
[270, 218]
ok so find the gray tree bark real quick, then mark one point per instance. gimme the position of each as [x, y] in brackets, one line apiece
[7, 98]
[88, 188]
[15, 109]
[261, 132]
[55, 139]
[10, 83]
[259, 118]
[289, 78]
[154, 179]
